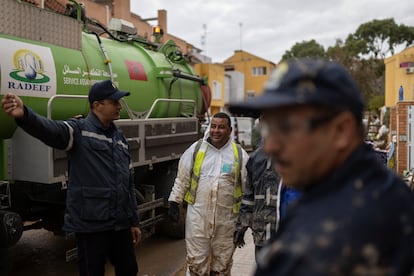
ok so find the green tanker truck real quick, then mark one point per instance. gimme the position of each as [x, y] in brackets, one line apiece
[51, 60]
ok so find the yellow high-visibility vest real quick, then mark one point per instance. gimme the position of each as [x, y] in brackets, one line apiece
[199, 154]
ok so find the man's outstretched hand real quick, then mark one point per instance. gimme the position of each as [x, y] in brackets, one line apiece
[12, 105]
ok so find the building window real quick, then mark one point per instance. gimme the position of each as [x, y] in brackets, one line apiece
[250, 94]
[216, 90]
[259, 71]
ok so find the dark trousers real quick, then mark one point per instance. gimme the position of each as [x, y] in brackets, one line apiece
[5, 261]
[257, 249]
[116, 246]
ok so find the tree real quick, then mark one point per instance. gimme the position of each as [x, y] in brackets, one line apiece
[368, 73]
[371, 43]
[379, 38]
[363, 54]
[340, 54]
[375, 102]
[304, 49]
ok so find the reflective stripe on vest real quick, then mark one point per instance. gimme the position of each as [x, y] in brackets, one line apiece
[238, 192]
[195, 177]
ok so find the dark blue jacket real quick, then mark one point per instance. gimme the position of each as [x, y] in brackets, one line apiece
[260, 198]
[357, 221]
[100, 193]
[288, 195]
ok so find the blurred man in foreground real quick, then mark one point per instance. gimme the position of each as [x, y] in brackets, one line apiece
[355, 217]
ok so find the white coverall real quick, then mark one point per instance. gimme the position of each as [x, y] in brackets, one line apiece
[210, 222]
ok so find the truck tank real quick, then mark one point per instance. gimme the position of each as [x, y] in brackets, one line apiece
[38, 71]
[51, 64]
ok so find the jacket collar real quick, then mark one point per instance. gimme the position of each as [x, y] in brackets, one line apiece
[353, 167]
[97, 123]
[208, 140]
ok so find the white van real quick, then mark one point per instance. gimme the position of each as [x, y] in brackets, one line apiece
[242, 131]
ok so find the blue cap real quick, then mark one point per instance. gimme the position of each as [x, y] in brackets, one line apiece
[105, 90]
[314, 82]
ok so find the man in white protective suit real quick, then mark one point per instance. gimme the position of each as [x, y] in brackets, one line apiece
[210, 179]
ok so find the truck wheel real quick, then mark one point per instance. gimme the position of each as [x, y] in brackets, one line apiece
[174, 229]
[11, 228]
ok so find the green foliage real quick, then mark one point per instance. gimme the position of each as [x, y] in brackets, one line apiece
[305, 49]
[375, 102]
[341, 54]
[363, 54]
[368, 73]
[378, 38]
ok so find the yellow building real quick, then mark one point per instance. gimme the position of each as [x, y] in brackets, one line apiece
[399, 97]
[215, 75]
[399, 71]
[256, 71]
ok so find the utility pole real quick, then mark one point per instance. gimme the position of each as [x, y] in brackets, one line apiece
[241, 25]
[204, 38]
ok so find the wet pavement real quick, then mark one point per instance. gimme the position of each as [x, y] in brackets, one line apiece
[40, 253]
[244, 263]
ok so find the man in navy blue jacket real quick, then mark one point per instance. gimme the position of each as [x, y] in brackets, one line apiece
[355, 217]
[260, 202]
[101, 206]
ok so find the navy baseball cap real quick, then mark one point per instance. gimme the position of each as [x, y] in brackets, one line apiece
[105, 90]
[316, 82]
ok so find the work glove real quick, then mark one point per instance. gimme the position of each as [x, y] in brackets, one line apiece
[238, 238]
[174, 211]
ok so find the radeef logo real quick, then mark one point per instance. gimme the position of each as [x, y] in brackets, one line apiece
[29, 67]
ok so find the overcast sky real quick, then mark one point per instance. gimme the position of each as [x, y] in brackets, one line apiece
[267, 28]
